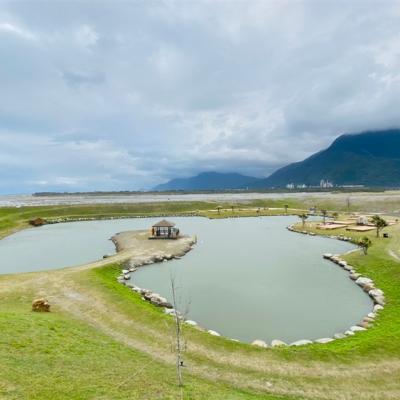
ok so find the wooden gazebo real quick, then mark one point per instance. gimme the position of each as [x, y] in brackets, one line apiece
[164, 230]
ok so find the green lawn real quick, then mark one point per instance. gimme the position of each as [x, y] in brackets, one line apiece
[101, 341]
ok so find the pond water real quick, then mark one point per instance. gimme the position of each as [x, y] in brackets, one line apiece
[247, 278]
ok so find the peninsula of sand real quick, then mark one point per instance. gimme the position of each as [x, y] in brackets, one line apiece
[139, 250]
[135, 247]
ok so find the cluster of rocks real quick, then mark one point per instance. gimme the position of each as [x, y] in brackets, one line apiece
[148, 295]
[365, 283]
[159, 301]
[362, 326]
[291, 228]
[280, 343]
[153, 298]
[342, 238]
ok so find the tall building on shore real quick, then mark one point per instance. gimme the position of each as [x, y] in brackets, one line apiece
[325, 184]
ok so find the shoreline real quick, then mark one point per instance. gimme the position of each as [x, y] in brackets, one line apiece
[127, 252]
[125, 240]
[366, 284]
[157, 251]
[92, 305]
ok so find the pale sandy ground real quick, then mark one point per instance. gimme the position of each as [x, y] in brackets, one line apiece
[357, 197]
[138, 242]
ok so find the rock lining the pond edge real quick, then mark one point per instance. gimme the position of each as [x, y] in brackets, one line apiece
[155, 298]
[148, 295]
[213, 333]
[278, 343]
[259, 343]
[365, 283]
[324, 340]
[302, 342]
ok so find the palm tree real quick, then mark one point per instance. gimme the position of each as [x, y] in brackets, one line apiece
[232, 207]
[379, 223]
[219, 209]
[365, 243]
[303, 218]
[286, 206]
[324, 213]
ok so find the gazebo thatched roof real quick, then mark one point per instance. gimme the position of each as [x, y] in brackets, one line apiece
[164, 224]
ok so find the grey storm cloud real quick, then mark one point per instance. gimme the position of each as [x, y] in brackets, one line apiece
[126, 94]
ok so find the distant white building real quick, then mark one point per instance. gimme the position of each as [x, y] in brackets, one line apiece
[325, 184]
[293, 186]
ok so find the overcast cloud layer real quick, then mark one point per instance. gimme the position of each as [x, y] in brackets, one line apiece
[124, 95]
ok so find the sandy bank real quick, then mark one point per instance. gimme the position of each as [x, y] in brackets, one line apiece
[144, 252]
[140, 250]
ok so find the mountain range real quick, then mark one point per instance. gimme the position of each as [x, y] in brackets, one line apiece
[210, 181]
[367, 158]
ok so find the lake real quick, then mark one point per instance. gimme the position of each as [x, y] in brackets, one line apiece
[247, 278]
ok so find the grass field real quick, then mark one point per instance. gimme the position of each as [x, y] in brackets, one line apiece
[101, 341]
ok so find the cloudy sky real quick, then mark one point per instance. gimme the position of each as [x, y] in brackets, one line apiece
[103, 95]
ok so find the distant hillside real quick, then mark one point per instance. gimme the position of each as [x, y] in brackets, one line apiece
[368, 158]
[209, 181]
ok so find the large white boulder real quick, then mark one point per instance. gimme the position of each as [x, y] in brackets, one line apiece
[362, 281]
[213, 333]
[356, 328]
[375, 292]
[259, 343]
[301, 342]
[277, 343]
[355, 276]
[339, 335]
[380, 300]
[377, 307]
[324, 340]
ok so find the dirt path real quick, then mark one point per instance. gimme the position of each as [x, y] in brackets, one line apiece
[258, 370]
[394, 255]
[245, 370]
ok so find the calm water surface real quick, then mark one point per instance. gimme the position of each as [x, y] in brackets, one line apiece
[247, 278]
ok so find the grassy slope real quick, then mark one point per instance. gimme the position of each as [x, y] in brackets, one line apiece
[66, 357]
[51, 356]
